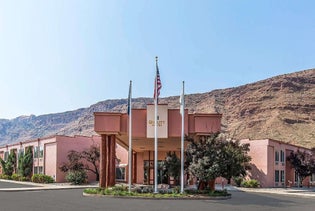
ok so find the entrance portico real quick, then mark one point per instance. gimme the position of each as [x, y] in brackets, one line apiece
[113, 127]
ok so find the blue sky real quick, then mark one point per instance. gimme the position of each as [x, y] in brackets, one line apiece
[60, 55]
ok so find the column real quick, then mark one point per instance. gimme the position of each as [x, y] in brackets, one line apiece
[103, 163]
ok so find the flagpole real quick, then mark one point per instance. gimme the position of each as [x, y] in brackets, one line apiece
[155, 132]
[182, 138]
[130, 138]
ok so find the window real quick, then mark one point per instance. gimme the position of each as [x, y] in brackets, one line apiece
[282, 175]
[36, 152]
[312, 177]
[296, 176]
[38, 170]
[121, 173]
[6, 155]
[35, 170]
[276, 157]
[21, 152]
[41, 151]
[276, 175]
[282, 156]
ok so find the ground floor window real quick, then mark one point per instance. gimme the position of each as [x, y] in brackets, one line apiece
[121, 173]
[296, 176]
[282, 175]
[276, 175]
[149, 172]
[312, 177]
[38, 170]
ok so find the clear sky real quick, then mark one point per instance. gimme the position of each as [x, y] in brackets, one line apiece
[60, 55]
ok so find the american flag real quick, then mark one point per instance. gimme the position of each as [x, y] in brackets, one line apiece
[157, 85]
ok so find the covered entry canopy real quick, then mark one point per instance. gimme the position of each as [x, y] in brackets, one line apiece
[113, 127]
[118, 124]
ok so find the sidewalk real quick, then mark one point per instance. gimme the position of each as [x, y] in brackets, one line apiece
[294, 191]
[30, 186]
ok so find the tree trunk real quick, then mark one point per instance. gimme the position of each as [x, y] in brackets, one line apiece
[211, 184]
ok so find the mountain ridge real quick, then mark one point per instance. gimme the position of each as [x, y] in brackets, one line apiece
[281, 108]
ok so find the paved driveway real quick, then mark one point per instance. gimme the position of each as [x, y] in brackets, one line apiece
[65, 200]
[12, 184]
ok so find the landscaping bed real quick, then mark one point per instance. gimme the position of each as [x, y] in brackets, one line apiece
[147, 193]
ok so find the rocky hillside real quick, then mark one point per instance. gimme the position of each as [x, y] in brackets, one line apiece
[281, 108]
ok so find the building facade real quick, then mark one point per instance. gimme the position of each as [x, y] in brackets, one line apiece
[51, 152]
[113, 127]
[269, 163]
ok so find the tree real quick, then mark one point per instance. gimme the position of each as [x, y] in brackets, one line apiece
[74, 168]
[202, 157]
[92, 155]
[234, 159]
[303, 163]
[172, 165]
[25, 167]
[74, 162]
[9, 166]
[213, 156]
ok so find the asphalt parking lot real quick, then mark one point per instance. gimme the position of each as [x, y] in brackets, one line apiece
[73, 199]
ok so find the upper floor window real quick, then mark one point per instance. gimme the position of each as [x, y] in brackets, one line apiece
[21, 152]
[38, 152]
[282, 156]
[277, 156]
[6, 155]
[41, 151]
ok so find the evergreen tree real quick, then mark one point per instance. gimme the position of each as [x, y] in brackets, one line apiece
[25, 167]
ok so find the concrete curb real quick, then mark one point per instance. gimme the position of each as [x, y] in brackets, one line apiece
[300, 193]
[204, 198]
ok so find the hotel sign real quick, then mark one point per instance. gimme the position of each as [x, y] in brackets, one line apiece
[162, 121]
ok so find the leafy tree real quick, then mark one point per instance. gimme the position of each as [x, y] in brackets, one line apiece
[202, 157]
[74, 168]
[172, 165]
[92, 155]
[303, 163]
[234, 159]
[9, 166]
[74, 162]
[211, 157]
[25, 167]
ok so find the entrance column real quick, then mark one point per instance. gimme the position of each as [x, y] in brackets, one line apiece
[103, 163]
[108, 161]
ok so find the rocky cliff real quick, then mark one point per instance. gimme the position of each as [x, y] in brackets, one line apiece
[281, 108]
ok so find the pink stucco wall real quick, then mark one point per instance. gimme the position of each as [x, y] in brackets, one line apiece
[264, 165]
[55, 150]
[77, 143]
[107, 123]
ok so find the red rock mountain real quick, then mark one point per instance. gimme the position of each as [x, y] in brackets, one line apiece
[281, 108]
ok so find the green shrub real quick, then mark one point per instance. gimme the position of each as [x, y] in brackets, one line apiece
[15, 177]
[76, 177]
[42, 178]
[238, 181]
[251, 183]
[4, 176]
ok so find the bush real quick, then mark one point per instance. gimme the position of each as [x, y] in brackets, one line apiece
[250, 184]
[238, 181]
[42, 178]
[15, 177]
[3, 176]
[76, 177]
